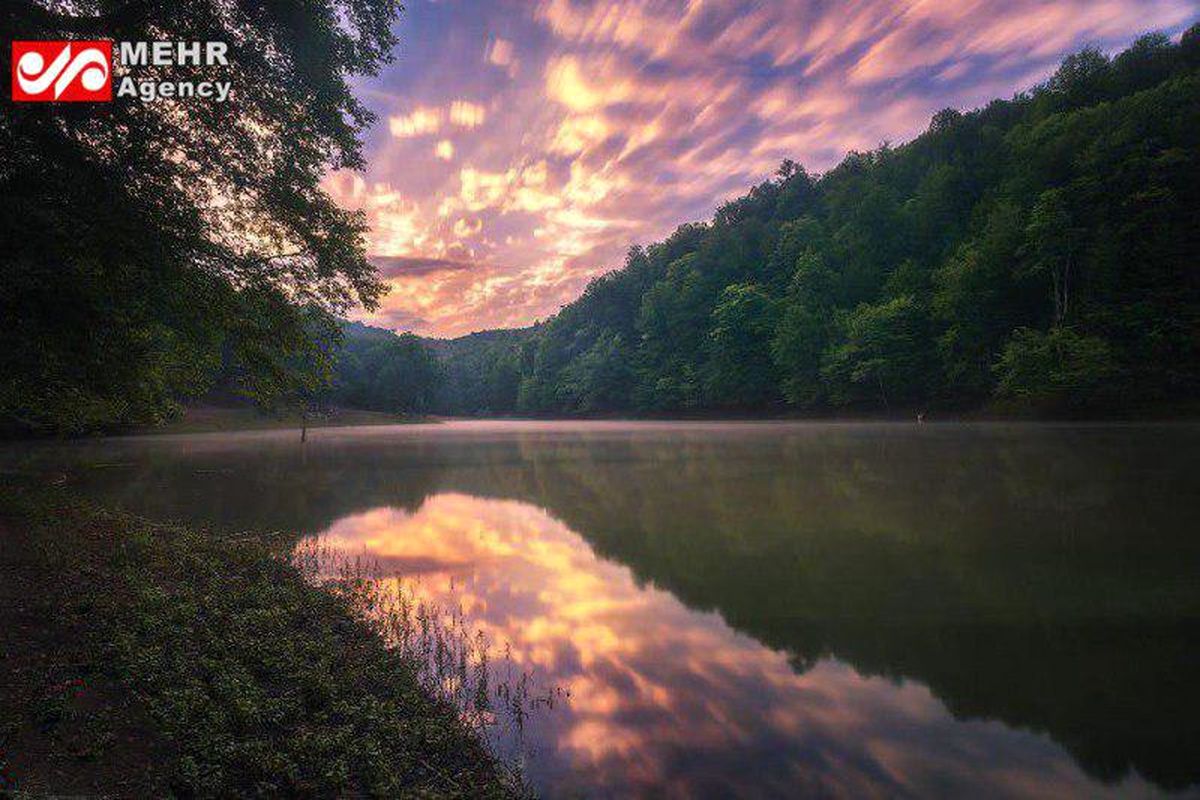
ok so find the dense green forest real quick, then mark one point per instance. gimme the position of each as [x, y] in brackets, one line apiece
[376, 369]
[1040, 254]
[380, 371]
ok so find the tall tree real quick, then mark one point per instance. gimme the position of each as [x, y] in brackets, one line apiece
[140, 237]
[739, 370]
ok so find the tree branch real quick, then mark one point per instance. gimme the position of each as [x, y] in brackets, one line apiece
[277, 256]
[31, 15]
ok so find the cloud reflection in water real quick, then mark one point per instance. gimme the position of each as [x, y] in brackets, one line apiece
[665, 699]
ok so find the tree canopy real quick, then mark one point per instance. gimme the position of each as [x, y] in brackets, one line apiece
[1040, 252]
[150, 247]
[380, 371]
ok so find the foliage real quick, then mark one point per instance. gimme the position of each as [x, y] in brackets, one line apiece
[882, 354]
[483, 372]
[1031, 250]
[150, 245]
[381, 371]
[598, 378]
[739, 370]
[262, 684]
[1058, 366]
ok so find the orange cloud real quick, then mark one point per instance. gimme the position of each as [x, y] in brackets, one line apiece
[501, 53]
[466, 115]
[420, 122]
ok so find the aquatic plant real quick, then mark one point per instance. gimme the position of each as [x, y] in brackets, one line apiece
[455, 660]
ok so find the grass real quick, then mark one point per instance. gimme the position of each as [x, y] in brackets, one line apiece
[215, 419]
[492, 693]
[209, 666]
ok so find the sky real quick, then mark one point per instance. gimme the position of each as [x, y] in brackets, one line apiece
[523, 146]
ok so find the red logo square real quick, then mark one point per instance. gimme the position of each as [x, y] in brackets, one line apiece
[62, 72]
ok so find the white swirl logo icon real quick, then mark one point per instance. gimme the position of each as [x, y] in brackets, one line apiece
[62, 71]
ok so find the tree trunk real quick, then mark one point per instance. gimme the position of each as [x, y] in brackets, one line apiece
[1057, 291]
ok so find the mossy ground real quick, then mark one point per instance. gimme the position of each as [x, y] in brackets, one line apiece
[142, 659]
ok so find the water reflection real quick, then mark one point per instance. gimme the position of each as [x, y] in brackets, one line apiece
[668, 701]
[849, 609]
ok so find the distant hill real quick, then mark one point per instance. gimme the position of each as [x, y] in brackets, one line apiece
[472, 375]
[482, 371]
[460, 346]
[359, 331]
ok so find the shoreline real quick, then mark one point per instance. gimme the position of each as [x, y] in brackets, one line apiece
[217, 419]
[283, 426]
[231, 419]
[156, 659]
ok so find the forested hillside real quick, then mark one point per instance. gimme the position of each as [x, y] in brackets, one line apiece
[377, 370]
[1042, 253]
[482, 374]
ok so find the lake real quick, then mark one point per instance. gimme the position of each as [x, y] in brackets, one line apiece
[761, 609]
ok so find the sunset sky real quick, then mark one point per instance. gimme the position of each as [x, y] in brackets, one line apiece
[523, 146]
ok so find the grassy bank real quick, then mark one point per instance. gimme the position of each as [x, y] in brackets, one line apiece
[142, 660]
[215, 419]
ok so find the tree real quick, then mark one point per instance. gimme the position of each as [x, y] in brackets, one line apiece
[796, 239]
[739, 370]
[672, 324]
[284, 367]
[1060, 367]
[1147, 62]
[138, 235]
[978, 300]
[1082, 78]
[804, 329]
[599, 379]
[882, 356]
[1054, 245]
[396, 374]
[800, 340]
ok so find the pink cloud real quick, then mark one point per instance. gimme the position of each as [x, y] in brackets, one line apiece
[628, 118]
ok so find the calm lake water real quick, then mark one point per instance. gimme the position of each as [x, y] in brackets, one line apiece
[764, 609]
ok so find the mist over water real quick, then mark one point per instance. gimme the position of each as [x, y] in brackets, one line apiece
[764, 608]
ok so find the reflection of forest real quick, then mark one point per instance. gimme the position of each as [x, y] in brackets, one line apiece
[1044, 578]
